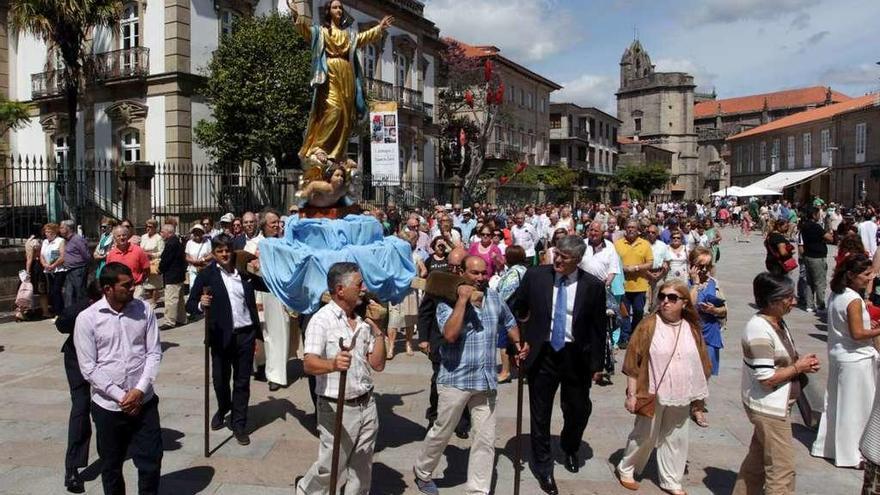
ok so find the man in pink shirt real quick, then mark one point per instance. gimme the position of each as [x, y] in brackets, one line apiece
[130, 255]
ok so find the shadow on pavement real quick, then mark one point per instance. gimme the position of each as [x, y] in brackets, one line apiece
[271, 409]
[804, 435]
[171, 439]
[719, 481]
[387, 481]
[456, 467]
[168, 345]
[405, 430]
[189, 481]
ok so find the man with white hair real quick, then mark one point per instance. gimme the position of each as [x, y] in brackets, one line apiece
[130, 255]
[76, 259]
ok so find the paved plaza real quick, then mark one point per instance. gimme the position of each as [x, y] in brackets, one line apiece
[35, 405]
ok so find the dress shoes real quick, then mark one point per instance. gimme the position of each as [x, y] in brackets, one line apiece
[548, 484]
[274, 386]
[242, 438]
[73, 482]
[218, 421]
[572, 463]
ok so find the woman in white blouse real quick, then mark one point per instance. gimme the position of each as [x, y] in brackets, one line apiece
[52, 261]
[852, 358]
[198, 252]
[152, 244]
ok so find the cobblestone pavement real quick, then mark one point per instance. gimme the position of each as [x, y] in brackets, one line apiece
[33, 420]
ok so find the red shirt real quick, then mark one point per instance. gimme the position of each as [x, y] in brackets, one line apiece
[134, 258]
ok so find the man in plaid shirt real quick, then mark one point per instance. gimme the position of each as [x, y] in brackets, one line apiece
[468, 377]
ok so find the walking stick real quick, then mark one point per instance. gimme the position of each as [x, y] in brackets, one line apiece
[207, 291]
[340, 404]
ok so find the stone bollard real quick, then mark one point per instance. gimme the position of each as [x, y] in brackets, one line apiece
[137, 199]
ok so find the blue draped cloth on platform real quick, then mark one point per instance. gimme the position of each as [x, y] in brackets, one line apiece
[295, 267]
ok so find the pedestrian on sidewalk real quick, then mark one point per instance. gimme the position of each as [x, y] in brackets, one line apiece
[468, 379]
[172, 267]
[117, 345]
[232, 328]
[771, 381]
[52, 260]
[76, 260]
[324, 359]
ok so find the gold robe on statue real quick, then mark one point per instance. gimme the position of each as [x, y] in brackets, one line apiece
[331, 121]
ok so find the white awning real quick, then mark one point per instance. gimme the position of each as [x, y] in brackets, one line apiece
[727, 191]
[783, 180]
[754, 190]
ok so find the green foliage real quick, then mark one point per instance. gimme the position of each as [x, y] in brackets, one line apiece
[642, 179]
[12, 114]
[258, 89]
[553, 176]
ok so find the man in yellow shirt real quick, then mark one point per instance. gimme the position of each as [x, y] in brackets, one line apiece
[636, 258]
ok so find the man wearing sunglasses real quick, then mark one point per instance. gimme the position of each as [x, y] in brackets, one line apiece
[565, 310]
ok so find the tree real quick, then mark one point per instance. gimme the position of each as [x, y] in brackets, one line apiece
[65, 26]
[258, 89]
[554, 176]
[468, 109]
[12, 114]
[640, 180]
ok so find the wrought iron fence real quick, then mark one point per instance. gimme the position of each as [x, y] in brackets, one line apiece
[377, 192]
[190, 191]
[36, 190]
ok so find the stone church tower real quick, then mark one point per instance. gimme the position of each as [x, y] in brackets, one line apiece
[657, 108]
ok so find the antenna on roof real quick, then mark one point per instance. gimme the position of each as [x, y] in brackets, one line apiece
[635, 33]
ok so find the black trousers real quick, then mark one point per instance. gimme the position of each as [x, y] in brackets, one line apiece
[552, 370]
[117, 435]
[55, 287]
[79, 426]
[234, 363]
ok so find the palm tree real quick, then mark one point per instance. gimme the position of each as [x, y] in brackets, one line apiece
[64, 26]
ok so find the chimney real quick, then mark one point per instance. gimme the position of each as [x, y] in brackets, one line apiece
[765, 112]
[828, 96]
[718, 117]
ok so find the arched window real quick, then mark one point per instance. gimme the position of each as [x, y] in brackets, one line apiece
[131, 146]
[61, 149]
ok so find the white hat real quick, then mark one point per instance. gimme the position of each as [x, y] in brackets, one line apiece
[466, 211]
[197, 226]
[448, 206]
[227, 218]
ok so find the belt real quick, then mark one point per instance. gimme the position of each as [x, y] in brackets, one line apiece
[357, 401]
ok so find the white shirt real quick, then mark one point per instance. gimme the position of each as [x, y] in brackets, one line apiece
[868, 233]
[325, 328]
[241, 317]
[600, 263]
[525, 237]
[661, 253]
[570, 290]
[197, 251]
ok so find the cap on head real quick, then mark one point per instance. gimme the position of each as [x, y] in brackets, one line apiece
[197, 226]
[227, 218]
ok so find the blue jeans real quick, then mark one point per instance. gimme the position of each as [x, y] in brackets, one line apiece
[635, 306]
[74, 286]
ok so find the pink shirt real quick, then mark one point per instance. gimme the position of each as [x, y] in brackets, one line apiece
[685, 380]
[488, 256]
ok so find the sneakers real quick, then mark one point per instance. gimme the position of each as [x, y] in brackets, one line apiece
[426, 487]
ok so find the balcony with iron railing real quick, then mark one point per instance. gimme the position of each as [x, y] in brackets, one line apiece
[406, 98]
[503, 151]
[115, 65]
[565, 132]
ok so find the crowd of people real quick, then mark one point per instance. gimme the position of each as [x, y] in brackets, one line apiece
[563, 288]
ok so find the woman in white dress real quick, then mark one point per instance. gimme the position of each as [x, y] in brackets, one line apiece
[406, 314]
[852, 372]
[197, 251]
[153, 244]
[678, 258]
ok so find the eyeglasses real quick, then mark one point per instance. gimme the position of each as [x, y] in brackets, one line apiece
[671, 297]
[485, 233]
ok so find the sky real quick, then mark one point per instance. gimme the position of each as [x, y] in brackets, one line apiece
[736, 47]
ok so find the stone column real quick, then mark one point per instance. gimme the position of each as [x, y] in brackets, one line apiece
[575, 195]
[457, 183]
[492, 192]
[542, 193]
[137, 178]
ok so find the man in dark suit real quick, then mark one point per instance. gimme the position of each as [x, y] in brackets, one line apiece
[79, 425]
[232, 326]
[563, 308]
[172, 266]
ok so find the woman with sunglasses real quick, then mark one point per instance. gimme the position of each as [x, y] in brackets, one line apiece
[105, 242]
[852, 364]
[709, 301]
[489, 251]
[771, 383]
[678, 258]
[665, 362]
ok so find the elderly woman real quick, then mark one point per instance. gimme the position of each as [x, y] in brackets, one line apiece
[771, 383]
[105, 242]
[197, 251]
[667, 367]
[489, 251]
[852, 364]
[779, 250]
[52, 261]
[153, 244]
[678, 257]
[548, 255]
[507, 285]
[406, 314]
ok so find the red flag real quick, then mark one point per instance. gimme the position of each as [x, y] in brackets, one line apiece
[519, 168]
[487, 70]
[499, 94]
[504, 180]
[469, 98]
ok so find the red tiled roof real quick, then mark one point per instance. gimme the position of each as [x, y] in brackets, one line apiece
[780, 99]
[495, 52]
[625, 140]
[814, 115]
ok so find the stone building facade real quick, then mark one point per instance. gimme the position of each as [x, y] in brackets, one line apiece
[840, 137]
[657, 108]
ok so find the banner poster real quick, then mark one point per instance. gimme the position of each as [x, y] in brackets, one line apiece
[384, 151]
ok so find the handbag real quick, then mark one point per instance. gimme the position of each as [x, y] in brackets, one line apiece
[788, 264]
[647, 403]
[154, 267]
[25, 296]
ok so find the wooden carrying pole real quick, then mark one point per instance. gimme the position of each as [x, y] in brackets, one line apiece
[207, 292]
[340, 405]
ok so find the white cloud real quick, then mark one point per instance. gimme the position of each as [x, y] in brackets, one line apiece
[589, 90]
[800, 21]
[859, 75]
[730, 11]
[525, 30]
[703, 78]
